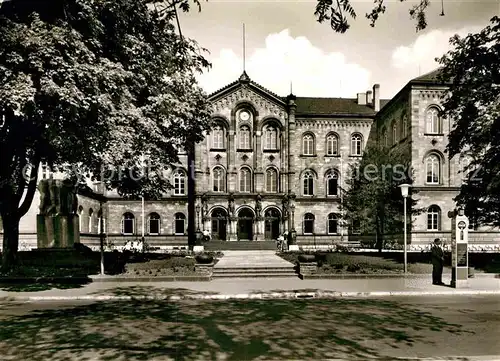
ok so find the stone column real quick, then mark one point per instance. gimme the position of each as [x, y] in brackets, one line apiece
[259, 225]
[233, 223]
[258, 174]
[291, 143]
[230, 155]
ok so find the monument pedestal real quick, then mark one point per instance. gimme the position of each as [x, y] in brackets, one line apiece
[57, 231]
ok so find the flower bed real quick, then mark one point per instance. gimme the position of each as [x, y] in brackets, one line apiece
[345, 263]
[181, 264]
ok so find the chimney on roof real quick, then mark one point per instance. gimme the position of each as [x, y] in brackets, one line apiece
[361, 98]
[369, 97]
[376, 97]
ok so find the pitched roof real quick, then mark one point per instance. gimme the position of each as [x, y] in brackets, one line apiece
[431, 77]
[306, 105]
[340, 106]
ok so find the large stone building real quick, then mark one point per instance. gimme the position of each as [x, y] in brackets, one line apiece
[273, 164]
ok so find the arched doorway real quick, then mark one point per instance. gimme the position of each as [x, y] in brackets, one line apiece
[219, 224]
[245, 225]
[272, 220]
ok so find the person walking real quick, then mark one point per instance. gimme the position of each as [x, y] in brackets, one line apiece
[437, 257]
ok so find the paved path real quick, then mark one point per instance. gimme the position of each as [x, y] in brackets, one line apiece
[251, 259]
[377, 287]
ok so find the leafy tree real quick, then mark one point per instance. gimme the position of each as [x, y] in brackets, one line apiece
[337, 12]
[472, 71]
[93, 85]
[372, 195]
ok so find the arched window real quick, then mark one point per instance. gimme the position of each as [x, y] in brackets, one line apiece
[245, 137]
[128, 223]
[154, 223]
[332, 145]
[271, 138]
[356, 144]
[245, 180]
[91, 215]
[404, 127]
[80, 217]
[179, 226]
[179, 183]
[433, 218]
[385, 137]
[218, 137]
[333, 224]
[308, 144]
[308, 223]
[100, 222]
[432, 168]
[433, 121]
[394, 133]
[271, 180]
[332, 184]
[308, 184]
[219, 181]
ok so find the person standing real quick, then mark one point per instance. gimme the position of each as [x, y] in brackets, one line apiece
[437, 256]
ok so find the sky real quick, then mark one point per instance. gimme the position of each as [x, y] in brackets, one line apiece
[286, 47]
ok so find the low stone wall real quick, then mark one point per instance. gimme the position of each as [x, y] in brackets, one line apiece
[204, 269]
[308, 268]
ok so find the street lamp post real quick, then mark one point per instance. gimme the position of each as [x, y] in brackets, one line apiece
[142, 216]
[292, 231]
[198, 215]
[404, 193]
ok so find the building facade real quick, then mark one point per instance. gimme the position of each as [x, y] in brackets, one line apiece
[275, 164]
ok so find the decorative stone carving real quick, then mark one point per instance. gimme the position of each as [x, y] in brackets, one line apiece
[258, 205]
[230, 206]
[244, 158]
[271, 158]
[266, 107]
[218, 157]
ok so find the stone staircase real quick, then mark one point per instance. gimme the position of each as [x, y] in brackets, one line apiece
[240, 245]
[252, 264]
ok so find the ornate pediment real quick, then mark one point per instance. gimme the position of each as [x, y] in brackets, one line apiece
[266, 102]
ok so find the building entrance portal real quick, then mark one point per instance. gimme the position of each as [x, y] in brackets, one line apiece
[219, 224]
[245, 225]
[272, 224]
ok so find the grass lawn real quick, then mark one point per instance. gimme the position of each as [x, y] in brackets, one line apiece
[391, 262]
[77, 264]
[164, 265]
[345, 263]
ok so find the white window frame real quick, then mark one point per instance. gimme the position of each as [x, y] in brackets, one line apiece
[434, 162]
[308, 144]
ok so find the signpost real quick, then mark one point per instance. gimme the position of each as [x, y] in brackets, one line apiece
[459, 251]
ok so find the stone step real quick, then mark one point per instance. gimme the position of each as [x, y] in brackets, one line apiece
[254, 275]
[239, 245]
[253, 270]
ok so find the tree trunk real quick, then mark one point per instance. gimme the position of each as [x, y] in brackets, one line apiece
[380, 238]
[10, 241]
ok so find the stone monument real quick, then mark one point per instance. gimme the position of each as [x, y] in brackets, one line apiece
[459, 250]
[58, 226]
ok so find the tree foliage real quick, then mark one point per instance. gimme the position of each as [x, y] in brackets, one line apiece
[337, 11]
[472, 70]
[92, 85]
[372, 195]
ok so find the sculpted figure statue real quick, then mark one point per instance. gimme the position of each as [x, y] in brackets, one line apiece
[43, 188]
[258, 205]
[69, 201]
[231, 205]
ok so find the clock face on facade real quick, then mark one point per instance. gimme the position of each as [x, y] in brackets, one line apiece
[244, 115]
[461, 224]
